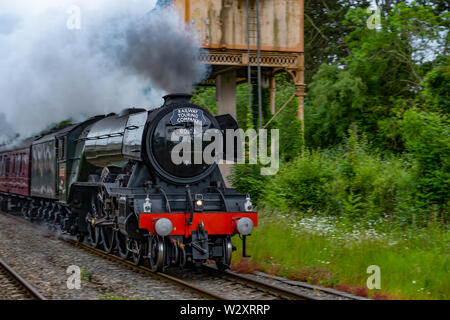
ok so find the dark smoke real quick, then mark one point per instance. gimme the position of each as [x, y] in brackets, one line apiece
[124, 55]
[156, 47]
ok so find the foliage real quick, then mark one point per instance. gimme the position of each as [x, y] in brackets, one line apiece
[390, 84]
[427, 138]
[436, 92]
[376, 153]
[291, 143]
[336, 99]
[349, 181]
[334, 252]
[385, 68]
[247, 178]
[325, 33]
[206, 97]
[393, 60]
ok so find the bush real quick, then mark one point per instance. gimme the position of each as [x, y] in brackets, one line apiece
[427, 138]
[436, 91]
[349, 181]
[300, 185]
[336, 99]
[246, 178]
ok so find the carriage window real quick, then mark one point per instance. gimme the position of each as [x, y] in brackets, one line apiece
[7, 167]
[19, 165]
[13, 170]
[23, 165]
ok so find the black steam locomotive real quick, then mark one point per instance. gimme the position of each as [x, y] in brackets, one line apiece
[111, 181]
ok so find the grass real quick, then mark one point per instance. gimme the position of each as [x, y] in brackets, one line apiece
[84, 276]
[108, 296]
[414, 263]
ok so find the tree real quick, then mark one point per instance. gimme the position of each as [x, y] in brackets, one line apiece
[436, 92]
[384, 71]
[427, 138]
[336, 100]
[325, 33]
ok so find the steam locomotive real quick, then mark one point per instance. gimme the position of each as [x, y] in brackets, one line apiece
[110, 181]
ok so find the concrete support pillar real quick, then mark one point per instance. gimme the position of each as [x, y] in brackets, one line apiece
[226, 103]
[300, 93]
[299, 82]
[226, 93]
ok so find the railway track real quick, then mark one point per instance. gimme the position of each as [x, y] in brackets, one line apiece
[14, 287]
[229, 285]
[244, 287]
[209, 283]
[203, 292]
[308, 291]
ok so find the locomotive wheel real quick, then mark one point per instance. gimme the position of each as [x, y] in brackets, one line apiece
[122, 241]
[53, 219]
[224, 262]
[138, 251]
[51, 213]
[32, 212]
[46, 212]
[182, 257]
[40, 212]
[94, 236]
[108, 239]
[56, 220]
[47, 217]
[175, 253]
[57, 215]
[26, 211]
[80, 237]
[156, 252]
[94, 232]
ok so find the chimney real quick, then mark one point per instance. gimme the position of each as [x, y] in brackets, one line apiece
[177, 98]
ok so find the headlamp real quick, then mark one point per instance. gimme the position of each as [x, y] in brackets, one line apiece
[163, 227]
[245, 226]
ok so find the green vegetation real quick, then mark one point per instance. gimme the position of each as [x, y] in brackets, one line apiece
[371, 183]
[333, 252]
[84, 276]
[328, 215]
[356, 183]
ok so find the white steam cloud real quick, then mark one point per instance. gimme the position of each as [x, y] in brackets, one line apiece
[125, 54]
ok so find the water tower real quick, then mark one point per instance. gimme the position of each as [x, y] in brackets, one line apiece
[229, 30]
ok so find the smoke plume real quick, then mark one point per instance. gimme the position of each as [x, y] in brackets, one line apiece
[125, 54]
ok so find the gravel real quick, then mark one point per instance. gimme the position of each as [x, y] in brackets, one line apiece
[42, 259]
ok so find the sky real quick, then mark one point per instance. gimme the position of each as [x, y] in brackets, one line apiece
[56, 64]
